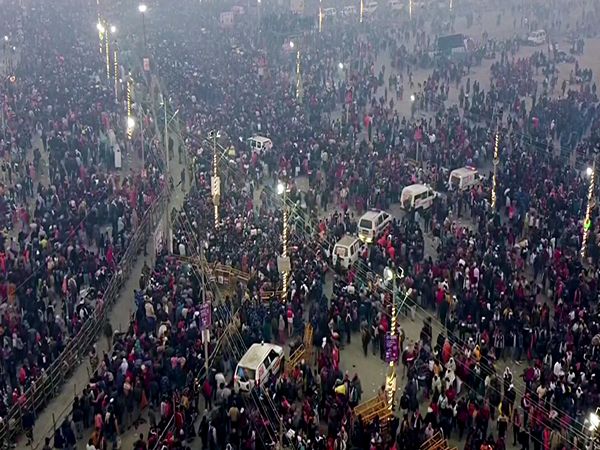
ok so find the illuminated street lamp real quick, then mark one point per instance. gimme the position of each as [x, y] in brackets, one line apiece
[591, 203]
[320, 15]
[216, 180]
[284, 262]
[390, 276]
[129, 117]
[101, 31]
[142, 8]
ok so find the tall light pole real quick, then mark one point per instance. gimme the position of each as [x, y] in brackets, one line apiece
[130, 121]
[116, 61]
[284, 265]
[258, 7]
[321, 15]
[591, 202]
[362, 11]
[496, 161]
[101, 31]
[216, 181]
[142, 8]
[112, 30]
[298, 70]
[390, 275]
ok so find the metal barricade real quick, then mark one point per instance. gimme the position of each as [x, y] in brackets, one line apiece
[48, 386]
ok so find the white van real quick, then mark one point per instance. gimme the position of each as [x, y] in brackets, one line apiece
[257, 365]
[417, 196]
[370, 7]
[347, 251]
[349, 11]
[537, 37]
[329, 12]
[372, 225]
[260, 144]
[395, 5]
[463, 178]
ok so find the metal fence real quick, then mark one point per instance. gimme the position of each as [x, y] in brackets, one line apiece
[48, 386]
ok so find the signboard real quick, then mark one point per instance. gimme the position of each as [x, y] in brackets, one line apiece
[297, 6]
[215, 183]
[391, 348]
[205, 316]
[147, 64]
[227, 19]
[283, 264]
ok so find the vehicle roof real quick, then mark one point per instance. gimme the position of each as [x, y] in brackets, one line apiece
[256, 354]
[260, 138]
[538, 31]
[370, 215]
[464, 171]
[330, 9]
[350, 7]
[417, 188]
[347, 240]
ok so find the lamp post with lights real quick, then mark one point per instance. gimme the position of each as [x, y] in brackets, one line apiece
[216, 181]
[496, 161]
[392, 353]
[591, 203]
[143, 8]
[130, 120]
[284, 261]
[116, 63]
[320, 15]
[101, 31]
[293, 46]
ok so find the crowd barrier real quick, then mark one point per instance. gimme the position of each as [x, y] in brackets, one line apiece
[48, 385]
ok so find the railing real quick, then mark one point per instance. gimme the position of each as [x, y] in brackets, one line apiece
[48, 386]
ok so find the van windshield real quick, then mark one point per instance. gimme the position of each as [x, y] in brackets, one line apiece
[245, 374]
[364, 223]
[455, 181]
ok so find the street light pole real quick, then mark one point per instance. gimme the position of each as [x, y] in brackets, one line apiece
[216, 182]
[321, 15]
[282, 188]
[390, 274]
[129, 118]
[299, 76]
[116, 58]
[142, 8]
[167, 175]
[591, 202]
[258, 6]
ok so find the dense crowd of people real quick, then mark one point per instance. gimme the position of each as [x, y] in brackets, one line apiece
[510, 285]
[68, 213]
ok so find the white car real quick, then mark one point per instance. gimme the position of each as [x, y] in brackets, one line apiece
[349, 11]
[370, 7]
[395, 5]
[329, 12]
[537, 37]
